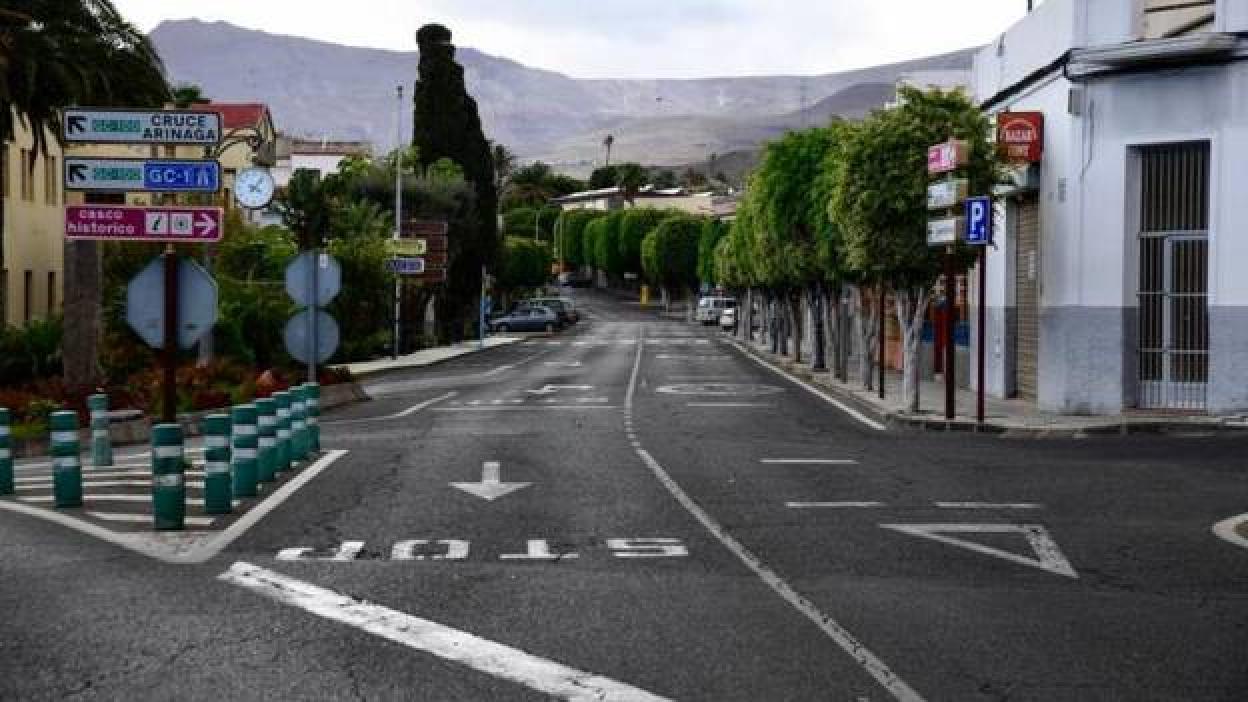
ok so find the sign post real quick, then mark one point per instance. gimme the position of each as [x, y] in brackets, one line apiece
[979, 233]
[947, 158]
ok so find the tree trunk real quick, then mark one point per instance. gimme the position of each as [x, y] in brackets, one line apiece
[911, 304]
[867, 324]
[797, 323]
[818, 314]
[80, 345]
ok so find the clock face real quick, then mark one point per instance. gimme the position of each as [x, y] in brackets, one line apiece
[253, 188]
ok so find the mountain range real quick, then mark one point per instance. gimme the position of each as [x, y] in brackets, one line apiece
[323, 90]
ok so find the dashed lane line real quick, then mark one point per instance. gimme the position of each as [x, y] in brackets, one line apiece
[842, 637]
[809, 461]
[833, 505]
[397, 415]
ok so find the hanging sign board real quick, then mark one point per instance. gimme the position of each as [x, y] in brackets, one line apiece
[409, 247]
[947, 193]
[123, 223]
[104, 126]
[1021, 136]
[142, 175]
[947, 157]
[944, 231]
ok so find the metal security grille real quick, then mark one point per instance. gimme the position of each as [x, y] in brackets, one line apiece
[1174, 277]
[1027, 298]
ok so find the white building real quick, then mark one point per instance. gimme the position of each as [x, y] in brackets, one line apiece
[1114, 283]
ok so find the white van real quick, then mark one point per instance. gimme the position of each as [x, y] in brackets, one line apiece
[710, 308]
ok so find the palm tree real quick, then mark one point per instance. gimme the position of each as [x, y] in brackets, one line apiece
[56, 53]
[608, 143]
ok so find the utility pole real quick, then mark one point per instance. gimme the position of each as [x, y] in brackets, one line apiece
[398, 219]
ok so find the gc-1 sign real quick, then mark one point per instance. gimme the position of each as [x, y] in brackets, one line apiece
[407, 266]
[142, 175]
[104, 126]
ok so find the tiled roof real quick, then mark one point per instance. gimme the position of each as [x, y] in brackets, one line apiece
[236, 115]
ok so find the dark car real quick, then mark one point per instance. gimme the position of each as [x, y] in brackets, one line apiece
[528, 318]
[554, 304]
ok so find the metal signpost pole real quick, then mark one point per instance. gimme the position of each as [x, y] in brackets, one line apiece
[951, 355]
[398, 221]
[481, 310]
[880, 341]
[169, 408]
[313, 309]
[981, 322]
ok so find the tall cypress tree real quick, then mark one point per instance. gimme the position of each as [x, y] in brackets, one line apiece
[447, 125]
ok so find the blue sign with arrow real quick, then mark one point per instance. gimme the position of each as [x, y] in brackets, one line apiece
[979, 221]
[142, 175]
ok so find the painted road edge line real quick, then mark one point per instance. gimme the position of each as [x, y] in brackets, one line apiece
[842, 637]
[1227, 530]
[397, 415]
[833, 505]
[862, 418]
[486, 656]
[140, 542]
[809, 461]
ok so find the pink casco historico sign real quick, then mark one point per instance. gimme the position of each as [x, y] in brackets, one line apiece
[163, 224]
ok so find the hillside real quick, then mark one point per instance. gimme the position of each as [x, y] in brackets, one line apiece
[319, 89]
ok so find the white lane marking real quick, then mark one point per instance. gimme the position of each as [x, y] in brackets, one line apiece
[809, 461]
[719, 389]
[145, 499]
[538, 550]
[989, 505]
[128, 518]
[833, 505]
[648, 548]
[198, 553]
[540, 674]
[456, 550]
[397, 415]
[564, 364]
[729, 404]
[48, 483]
[527, 408]
[496, 371]
[859, 416]
[1049, 556]
[92, 475]
[120, 461]
[348, 551]
[682, 357]
[491, 486]
[1228, 531]
[872, 664]
[552, 389]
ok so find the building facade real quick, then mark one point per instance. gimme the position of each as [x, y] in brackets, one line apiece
[1113, 285]
[34, 223]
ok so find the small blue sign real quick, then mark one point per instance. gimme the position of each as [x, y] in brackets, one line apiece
[407, 266]
[979, 221]
[182, 176]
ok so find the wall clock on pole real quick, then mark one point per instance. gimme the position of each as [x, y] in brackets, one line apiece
[253, 188]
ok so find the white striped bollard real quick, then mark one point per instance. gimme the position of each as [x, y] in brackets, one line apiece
[313, 403]
[298, 425]
[6, 453]
[168, 478]
[243, 419]
[284, 451]
[266, 427]
[66, 465]
[218, 492]
[101, 442]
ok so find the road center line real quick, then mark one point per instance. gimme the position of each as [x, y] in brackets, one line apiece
[833, 505]
[730, 404]
[809, 461]
[397, 415]
[872, 664]
[989, 505]
[492, 658]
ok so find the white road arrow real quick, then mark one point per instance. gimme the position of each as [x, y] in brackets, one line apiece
[491, 486]
[552, 389]
[206, 224]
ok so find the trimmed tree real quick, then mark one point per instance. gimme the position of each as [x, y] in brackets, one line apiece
[670, 255]
[447, 125]
[635, 224]
[881, 202]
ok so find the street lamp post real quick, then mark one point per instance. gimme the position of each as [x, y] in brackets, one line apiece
[398, 218]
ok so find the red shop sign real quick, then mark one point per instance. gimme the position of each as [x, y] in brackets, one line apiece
[1021, 135]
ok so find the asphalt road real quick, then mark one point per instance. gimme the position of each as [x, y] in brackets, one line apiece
[669, 520]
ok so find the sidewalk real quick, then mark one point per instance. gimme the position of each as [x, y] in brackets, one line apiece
[427, 357]
[1014, 418]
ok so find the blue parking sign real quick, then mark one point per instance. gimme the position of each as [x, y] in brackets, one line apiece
[979, 220]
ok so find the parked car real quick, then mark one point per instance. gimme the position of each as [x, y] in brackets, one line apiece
[559, 303]
[529, 318]
[710, 308]
[728, 320]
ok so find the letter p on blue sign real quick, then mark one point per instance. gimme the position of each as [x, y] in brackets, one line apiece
[979, 221]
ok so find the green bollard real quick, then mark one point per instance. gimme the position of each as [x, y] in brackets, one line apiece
[218, 493]
[66, 468]
[266, 459]
[6, 454]
[298, 425]
[243, 418]
[168, 478]
[101, 443]
[314, 416]
[284, 451]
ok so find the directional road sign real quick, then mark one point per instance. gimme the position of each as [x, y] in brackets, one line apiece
[943, 231]
[299, 279]
[142, 175]
[946, 194]
[409, 247]
[407, 266]
[104, 126]
[122, 223]
[197, 303]
[298, 336]
[979, 220]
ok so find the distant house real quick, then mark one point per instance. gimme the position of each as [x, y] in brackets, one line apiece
[608, 199]
[321, 155]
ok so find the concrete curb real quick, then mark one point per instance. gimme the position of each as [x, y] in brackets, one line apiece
[510, 341]
[138, 430]
[1196, 426]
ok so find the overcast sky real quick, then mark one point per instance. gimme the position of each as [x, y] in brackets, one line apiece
[636, 38]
